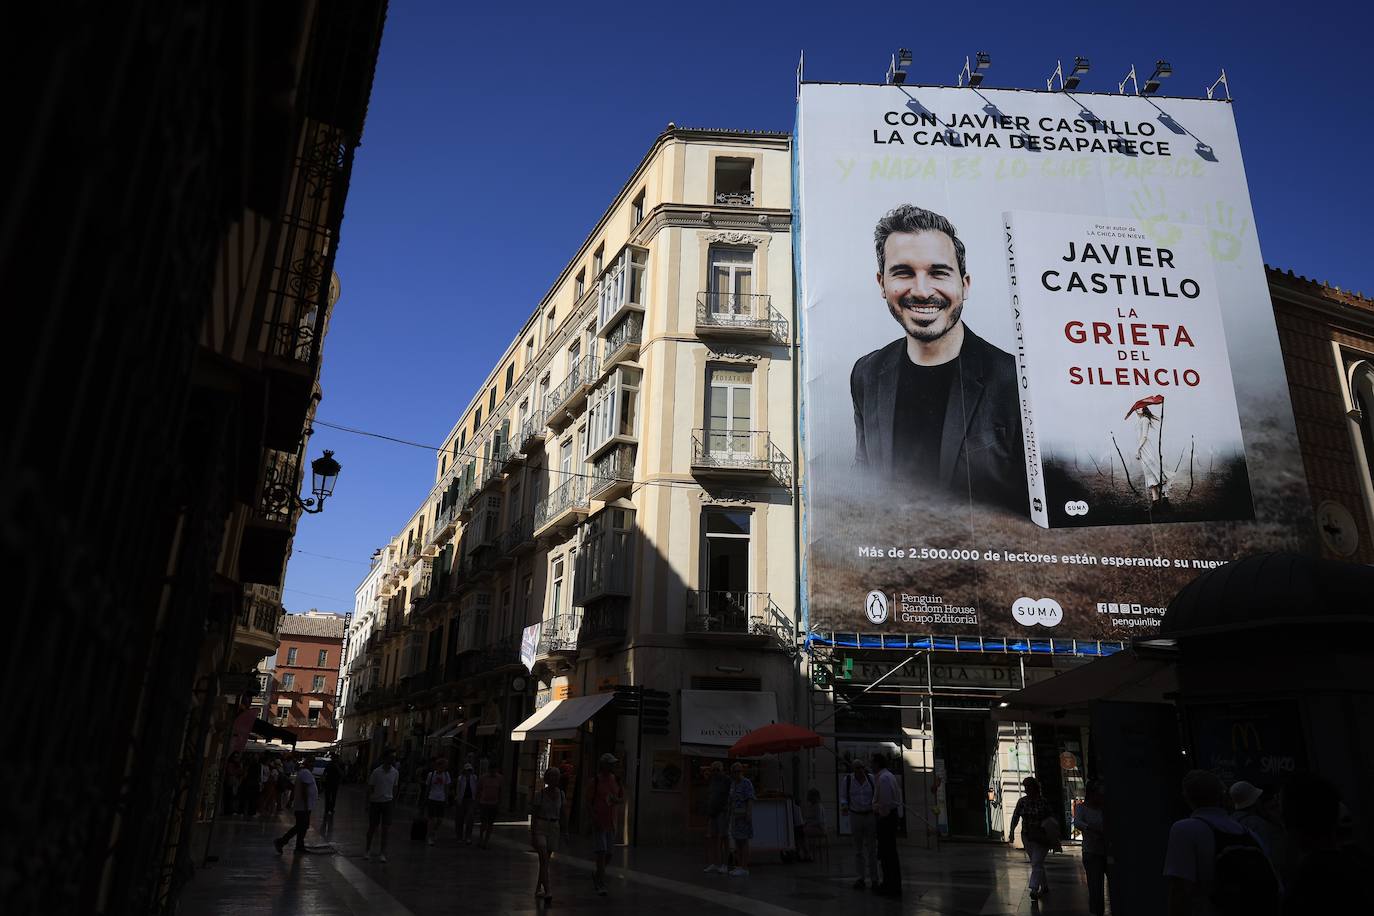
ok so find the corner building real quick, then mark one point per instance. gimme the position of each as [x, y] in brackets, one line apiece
[621, 492]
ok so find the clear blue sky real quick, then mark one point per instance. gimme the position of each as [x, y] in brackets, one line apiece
[495, 140]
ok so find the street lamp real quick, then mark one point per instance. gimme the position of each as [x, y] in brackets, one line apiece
[324, 471]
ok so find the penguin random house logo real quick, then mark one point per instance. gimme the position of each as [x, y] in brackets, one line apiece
[1031, 612]
[875, 607]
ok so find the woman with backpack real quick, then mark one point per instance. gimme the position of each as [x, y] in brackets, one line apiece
[1039, 832]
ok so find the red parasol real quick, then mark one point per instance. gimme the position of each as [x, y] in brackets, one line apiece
[1146, 402]
[774, 739]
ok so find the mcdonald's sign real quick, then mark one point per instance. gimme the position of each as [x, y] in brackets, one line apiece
[1245, 738]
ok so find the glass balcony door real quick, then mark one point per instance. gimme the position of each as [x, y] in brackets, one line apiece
[729, 405]
[731, 281]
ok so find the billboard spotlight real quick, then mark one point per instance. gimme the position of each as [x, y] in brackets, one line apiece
[896, 71]
[972, 74]
[1162, 71]
[1068, 83]
[1219, 81]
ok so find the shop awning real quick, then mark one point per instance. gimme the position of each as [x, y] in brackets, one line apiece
[1067, 698]
[448, 731]
[273, 732]
[561, 718]
[282, 702]
[317, 704]
[712, 720]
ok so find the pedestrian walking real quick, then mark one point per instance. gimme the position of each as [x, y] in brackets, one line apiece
[1258, 812]
[333, 779]
[814, 829]
[717, 818]
[887, 804]
[233, 779]
[466, 794]
[286, 782]
[381, 800]
[548, 824]
[269, 788]
[856, 800]
[1329, 876]
[305, 794]
[606, 794]
[488, 799]
[1039, 832]
[741, 818]
[1089, 816]
[437, 783]
[1214, 866]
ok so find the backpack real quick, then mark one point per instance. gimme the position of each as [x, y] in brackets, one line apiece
[1243, 881]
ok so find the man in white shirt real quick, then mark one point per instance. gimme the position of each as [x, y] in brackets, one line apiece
[437, 782]
[465, 793]
[1190, 859]
[304, 795]
[856, 800]
[887, 802]
[381, 797]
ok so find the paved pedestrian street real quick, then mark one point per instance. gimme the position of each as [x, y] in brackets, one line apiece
[451, 878]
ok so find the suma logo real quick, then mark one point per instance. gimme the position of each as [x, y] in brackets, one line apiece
[875, 607]
[1044, 612]
[1076, 507]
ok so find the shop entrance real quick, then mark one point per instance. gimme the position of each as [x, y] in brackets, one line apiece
[962, 742]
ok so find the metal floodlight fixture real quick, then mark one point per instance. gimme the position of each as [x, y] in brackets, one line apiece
[1067, 83]
[1162, 71]
[897, 69]
[974, 68]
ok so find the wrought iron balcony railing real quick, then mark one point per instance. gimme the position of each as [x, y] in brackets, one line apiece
[623, 340]
[559, 634]
[735, 613]
[560, 403]
[502, 652]
[516, 536]
[559, 505]
[735, 198]
[740, 315]
[613, 472]
[739, 452]
[603, 622]
[532, 429]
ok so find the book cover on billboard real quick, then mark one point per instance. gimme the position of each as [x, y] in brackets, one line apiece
[1127, 401]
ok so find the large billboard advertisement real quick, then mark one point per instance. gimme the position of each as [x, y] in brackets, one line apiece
[1042, 387]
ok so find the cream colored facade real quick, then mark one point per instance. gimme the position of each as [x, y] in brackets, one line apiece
[624, 478]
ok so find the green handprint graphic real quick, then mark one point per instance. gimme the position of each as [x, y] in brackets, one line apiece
[1225, 236]
[1150, 208]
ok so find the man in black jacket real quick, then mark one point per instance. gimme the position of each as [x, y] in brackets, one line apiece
[939, 407]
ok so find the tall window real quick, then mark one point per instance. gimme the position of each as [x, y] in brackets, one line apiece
[598, 260]
[556, 587]
[580, 284]
[324, 658]
[637, 209]
[317, 683]
[565, 461]
[529, 354]
[491, 400]
[725, 572]
[526, 595]
[291, 656]
[730, 282]
[476, 419]
[510, 375]
[313, 716]
[1362, 394]
[288, 680]
[550, 324]
[729, 406]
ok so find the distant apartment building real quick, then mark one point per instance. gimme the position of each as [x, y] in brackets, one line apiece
[359, 672]
[307, 674]
[620, 491]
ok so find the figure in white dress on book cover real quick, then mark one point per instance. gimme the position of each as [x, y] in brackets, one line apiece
[1149, 450]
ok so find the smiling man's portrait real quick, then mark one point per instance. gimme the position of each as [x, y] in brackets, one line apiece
[938, 407]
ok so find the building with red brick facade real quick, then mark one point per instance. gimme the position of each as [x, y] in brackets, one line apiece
[1327, 336]
[307, 675]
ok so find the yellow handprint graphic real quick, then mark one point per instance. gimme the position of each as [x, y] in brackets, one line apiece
[1225, 236]
[1149, 207]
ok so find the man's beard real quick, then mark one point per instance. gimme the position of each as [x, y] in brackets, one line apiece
[936, 324]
